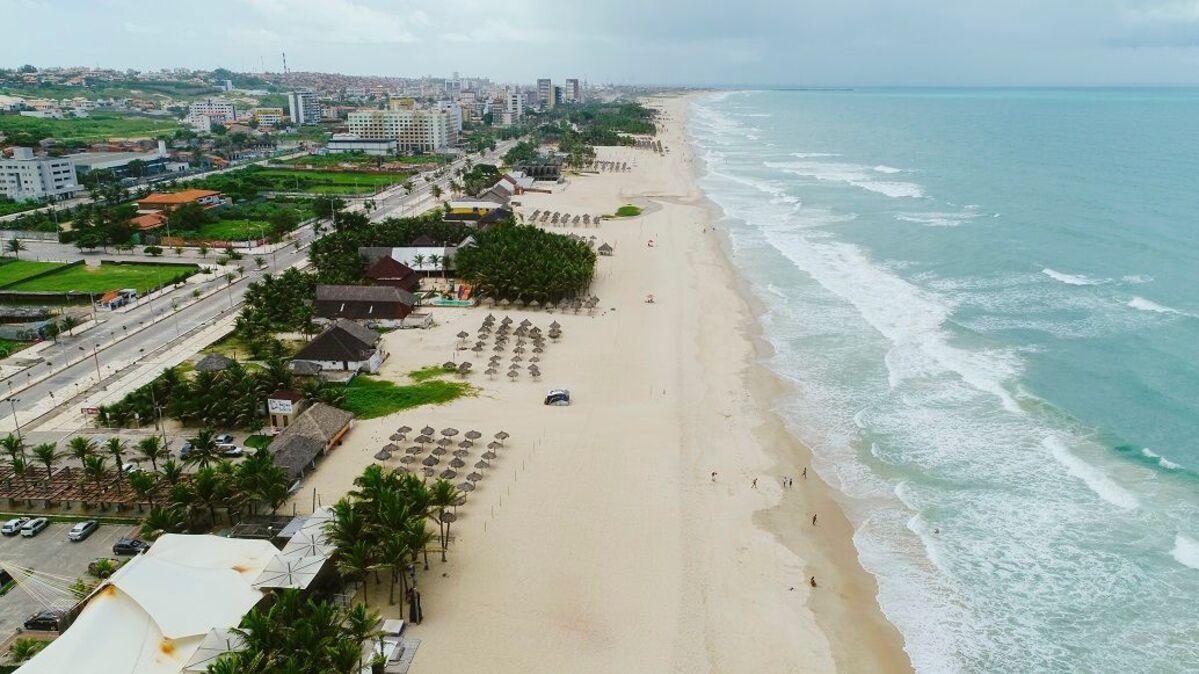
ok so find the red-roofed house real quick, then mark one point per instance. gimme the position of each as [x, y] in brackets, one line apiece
[169, 201]
[388, 271]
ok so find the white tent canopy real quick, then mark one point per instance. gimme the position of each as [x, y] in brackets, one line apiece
[153, 615]
[218, 642]
[294, 573]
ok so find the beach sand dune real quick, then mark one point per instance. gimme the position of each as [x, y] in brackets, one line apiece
[598, 541]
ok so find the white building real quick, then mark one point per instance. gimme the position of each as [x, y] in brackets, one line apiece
[545, 94]
[514, 107]
[304, 107]
[348, 142]
[415, 130]
[454, 110]
[572, 92]
[217, 110]
[29, 177]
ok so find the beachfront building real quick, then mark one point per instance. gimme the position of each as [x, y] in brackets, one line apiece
[311, 434]
[514, 107]
[379, 305]
[346, 345]
[304, 108]
[29, 177]
[415, 130]
[387, 271]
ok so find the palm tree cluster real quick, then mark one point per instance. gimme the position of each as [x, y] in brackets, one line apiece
[231, 398]
[93, 481]
[293, 635]
[335, 256]
[247, 488]
[276, 304]
[522, 262]
[382, 524]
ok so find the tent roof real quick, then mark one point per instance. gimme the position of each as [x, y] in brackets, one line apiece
[154, 613]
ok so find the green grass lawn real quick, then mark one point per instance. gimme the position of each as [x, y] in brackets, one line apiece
[336, 159]
[231, 230]
[368, 397]
[97, 127]
[15, 270]
[106, 277]
[8, 347]
[258, 441]
[327, 182]
[627, 211]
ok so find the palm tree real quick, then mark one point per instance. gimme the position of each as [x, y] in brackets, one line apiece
[204, 450]
[443, 495]
[172, 472]
[81, 447]
[151, 449]
[162, 520]
[361, 625]
[355, 562]
[14, 446]
[116, 447]
[142, 484]
[15, 246]
[208, 490]
[95, 468]
[47, 454]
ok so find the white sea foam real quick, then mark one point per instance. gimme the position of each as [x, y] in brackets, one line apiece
[1095, 478]
[1186, 551]
[938, 218]
[852, 174]
[1137, 278]
[1141, 304]
[1070, 279]
[813, 155]
[883, 168]
[1161, 460]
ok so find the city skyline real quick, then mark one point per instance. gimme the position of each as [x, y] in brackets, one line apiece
[754, 43]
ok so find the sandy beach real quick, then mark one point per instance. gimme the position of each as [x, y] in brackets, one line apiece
[599, 541]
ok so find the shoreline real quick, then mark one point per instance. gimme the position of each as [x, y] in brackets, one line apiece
[644, 527]
[790, 456]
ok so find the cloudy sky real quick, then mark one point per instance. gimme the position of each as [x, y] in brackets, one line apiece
[775, 42]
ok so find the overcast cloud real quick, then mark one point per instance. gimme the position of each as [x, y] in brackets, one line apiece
[769, 42]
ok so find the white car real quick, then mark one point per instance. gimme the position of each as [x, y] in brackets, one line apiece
[558, 397]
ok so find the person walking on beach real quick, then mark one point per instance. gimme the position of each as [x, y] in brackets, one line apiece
[813, 519]
[755, 483]
[805, 472]
[713, 476]
[812, 581]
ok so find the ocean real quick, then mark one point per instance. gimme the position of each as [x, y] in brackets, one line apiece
[987, 302]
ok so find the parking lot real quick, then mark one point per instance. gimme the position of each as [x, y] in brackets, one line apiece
[50, 552]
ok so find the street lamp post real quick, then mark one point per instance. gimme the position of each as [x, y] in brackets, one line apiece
[16, 422]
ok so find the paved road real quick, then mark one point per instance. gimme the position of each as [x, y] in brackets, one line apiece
[148, 329]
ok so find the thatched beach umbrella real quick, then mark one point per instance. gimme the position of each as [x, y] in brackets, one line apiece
[534, 359]
[407, 458]
[466, 486]
[461, 453]
[428, 472]
[449, 432]
[428, 430]
[382, 455]
[398, 437]
[449, 366]
[457, 463]
[448, 474]
[516, 359]
[481, 464]
[473, 435]
[502, 436]
[474, 477]
[430, 461]
[513, 374]
[415, 449]
[555, 325]
[477, 348]
[464, 367]
[404, 429]
[491, 372]
[425, 438]
[499, 346]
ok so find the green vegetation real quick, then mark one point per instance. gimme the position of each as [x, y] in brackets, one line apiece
[335, 256]
[9, 206]
[8, 347]
[277, 303]
[358, 159]
[369, 397]
[480, 178]
[25, 648]
[300, 636]
[128, 89]
[628, 211]
[231, 398]
[108, 276]
[526, 263]
[265, 218]
[12, 271]
[258, 441]
[94, 128]
[249, 183]
[427, 373]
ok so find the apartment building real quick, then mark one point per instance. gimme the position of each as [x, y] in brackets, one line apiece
[414, 129]
[28, 177]
[268, 116]
[304, 107]
[573, 94]
[217, 110]
[545, 94]
[514, 107]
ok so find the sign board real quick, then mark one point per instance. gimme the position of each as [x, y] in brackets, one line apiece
[91, 411]
[276, 406]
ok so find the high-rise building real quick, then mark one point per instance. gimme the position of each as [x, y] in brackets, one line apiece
[28, 177]
[304, 108]
[414, 129]
[514, 107]
[545, 93]
[573, 93]
[218, 110]
[555, 96]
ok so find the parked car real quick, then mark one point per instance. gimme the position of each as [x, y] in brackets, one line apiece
[223, 439]
[34, 527]
[230, 450]
[185, 450]
[13, 526]
[130, 468]
[82, 530]
[559, 397]
[129, 546]
[46, 620]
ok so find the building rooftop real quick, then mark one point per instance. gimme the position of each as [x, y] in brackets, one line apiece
[180, 197]
[333, 293]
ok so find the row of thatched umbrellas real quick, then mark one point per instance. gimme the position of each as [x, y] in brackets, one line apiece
[441, 446]
[564, 219]
[615, 166]
[524, 334]
[564, 305]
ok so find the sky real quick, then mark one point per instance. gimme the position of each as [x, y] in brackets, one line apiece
[675, 42]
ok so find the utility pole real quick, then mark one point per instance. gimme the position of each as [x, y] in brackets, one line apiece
[16, 422]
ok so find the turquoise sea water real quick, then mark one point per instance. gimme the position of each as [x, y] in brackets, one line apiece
[987, 300]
